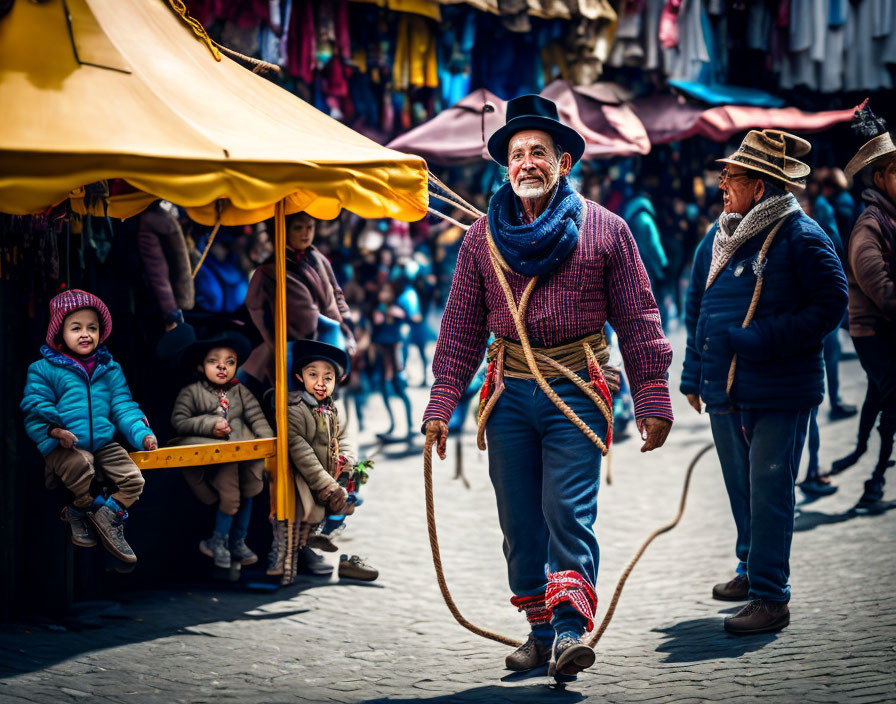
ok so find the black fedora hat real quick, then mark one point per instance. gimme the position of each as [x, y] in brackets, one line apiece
[532, 112]
[306, 351]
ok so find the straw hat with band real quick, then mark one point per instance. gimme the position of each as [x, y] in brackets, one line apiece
[532, 112]
[772, 152]
[879, 147]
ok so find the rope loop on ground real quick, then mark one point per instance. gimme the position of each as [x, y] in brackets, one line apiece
[590, 639]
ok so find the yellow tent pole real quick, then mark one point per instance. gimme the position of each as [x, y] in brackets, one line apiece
[285, 499]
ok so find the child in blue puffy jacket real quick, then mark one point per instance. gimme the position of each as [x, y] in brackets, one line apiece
[76, 398]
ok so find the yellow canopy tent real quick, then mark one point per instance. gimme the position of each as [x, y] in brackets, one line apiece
[100, 89]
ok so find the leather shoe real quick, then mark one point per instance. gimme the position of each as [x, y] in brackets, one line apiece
[571, 656]
[759, 616]
[531, 654]
[735, 590]
[312, 563]
[818, 486]
[842, 410]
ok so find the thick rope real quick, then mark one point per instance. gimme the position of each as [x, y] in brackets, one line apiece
[757, 292]
[591, 639]
[462, 208]
[611, 609]
[437, 558]
[457, 199]
[181, 9]
[208, 246]
[258, 66]
[433, 211]
[517, 313]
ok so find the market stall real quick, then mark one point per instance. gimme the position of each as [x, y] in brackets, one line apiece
[94, 90]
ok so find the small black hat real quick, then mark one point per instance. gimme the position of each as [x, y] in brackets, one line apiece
[306, 351]
[181, 343]
[532, 112]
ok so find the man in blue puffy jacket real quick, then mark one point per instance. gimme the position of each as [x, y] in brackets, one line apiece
[76, 399]
[766, 288]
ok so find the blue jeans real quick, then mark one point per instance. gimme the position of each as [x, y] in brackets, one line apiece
[546, 475]
[759, 450]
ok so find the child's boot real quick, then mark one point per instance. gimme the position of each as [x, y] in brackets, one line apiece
[241, 553]
[82, 533]
[277, 555]
[108, 518]
[217, 549]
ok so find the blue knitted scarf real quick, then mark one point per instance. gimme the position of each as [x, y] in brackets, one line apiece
[539, 247]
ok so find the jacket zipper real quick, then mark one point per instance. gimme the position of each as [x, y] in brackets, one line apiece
[90, 413]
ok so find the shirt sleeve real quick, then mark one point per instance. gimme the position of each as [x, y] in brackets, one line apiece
[463, 333]
[632, 312]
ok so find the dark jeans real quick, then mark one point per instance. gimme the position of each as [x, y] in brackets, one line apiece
[759, 450]
[832, 351]
[546, 475]
[878, 357]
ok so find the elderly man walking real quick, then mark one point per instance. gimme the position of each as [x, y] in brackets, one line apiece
[766, 289]
[548, 267]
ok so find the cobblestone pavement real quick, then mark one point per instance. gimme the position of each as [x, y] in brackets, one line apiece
[394, 640]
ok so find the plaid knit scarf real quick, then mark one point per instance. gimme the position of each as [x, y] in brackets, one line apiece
[736, 229]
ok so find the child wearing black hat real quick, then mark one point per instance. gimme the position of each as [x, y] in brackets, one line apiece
[319, 449]
[215, 408]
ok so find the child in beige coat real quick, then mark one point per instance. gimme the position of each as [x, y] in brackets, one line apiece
[216, 408]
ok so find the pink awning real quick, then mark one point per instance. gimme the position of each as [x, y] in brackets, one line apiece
[458, 135]
[669, 118]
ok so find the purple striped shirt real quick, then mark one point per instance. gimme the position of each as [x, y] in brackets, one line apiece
[603, 280]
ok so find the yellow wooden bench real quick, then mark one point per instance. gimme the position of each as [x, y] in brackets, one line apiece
[211, 453]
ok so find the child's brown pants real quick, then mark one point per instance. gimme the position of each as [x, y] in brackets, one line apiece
[226, 483]
[76, 469]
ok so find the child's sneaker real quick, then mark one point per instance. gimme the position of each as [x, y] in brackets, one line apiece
[355, 567]
[108, 519]
[241, 553]
[82, 533]
[216, 548]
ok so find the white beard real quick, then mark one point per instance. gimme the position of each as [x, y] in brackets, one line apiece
[537, 191]
[531, 191]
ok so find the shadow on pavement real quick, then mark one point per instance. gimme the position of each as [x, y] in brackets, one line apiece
[141, 617]
[807, 520]
[704, 639]
[536, 694]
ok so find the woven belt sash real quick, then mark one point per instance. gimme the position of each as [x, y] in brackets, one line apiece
[571, 355]
[534, 360]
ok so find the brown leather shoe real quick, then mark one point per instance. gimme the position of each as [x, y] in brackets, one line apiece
[531, 654]
[571, 656]
[735, 590]
[759, 616]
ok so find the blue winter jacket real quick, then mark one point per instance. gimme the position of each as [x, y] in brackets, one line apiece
[804, 297]
[59, 393]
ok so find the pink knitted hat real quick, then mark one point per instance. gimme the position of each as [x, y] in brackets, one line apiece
[70, 301]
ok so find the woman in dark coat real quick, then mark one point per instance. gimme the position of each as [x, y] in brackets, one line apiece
[311, 292]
